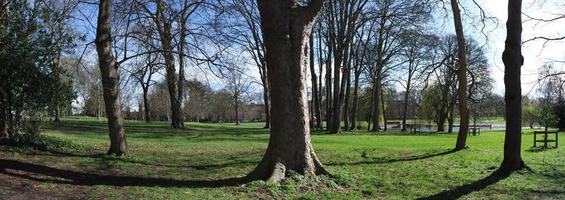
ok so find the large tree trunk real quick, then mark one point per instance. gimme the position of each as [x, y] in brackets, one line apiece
[146, 108]
[181, 80]
[461, 77]
[513, 60]
[315, 97]
[267, 101]
[165, 35]
[441, 121]
[375, 118]
[336, 104]
[383, 110]
[346, 99]
[3, 127]
[405, 111]
[287, 26]
[110, 80]
[236, 101]
[320, 87]
[329, 98]
[355, 101]
[57, 113]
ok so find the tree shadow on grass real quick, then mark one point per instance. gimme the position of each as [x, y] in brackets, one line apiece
[48, 174]
[470, 187]
[385, 161]
[234, 161]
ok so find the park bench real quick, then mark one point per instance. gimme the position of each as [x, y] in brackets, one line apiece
[474, 131]
[545, 139]
[414, 128]
[393, 124]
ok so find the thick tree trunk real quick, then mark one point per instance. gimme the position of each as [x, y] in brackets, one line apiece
[286, 28]
[181, 80]
[355, 101]
[329, 89]
[267, 101]
[320, 87]
[513, 61]
[383, 110]
[335, 126]
[146, 109]
[450, 121]
[57, 113]
[165, 35]
[461, 77]
[110, 80]
[236, 101]
[315, 97]
[346, 100]
[3, 127]
[405, 111]
[441, 122]
[376, 105]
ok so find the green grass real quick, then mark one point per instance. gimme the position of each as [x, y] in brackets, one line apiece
[384, 166]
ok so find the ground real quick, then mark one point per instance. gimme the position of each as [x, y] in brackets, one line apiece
[205, 160]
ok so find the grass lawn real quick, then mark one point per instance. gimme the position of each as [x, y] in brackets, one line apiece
[194, 164]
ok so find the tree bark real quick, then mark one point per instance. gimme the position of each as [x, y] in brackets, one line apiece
[3, 124]
[287, 26]
[376, 108]
[110, 80]
[346, 99]
[146, 106]
[314, 78]
[182, 39]
[462, 78]
[267, 101]
[355, 101]
[406, 96]
[236, 110]
[383, 110]
[441, 121]
[513, 61]
[164, 27]
[57, 113]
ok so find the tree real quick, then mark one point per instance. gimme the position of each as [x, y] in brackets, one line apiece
[461, 78]
[238, 85]
[33, 82]
[144, 76]
[287, 25]
[164, 27]
[416, 50]
[247, 31]
[513, 61]
[110, 79]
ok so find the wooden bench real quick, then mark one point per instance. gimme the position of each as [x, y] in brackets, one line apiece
[474, 131]
[414, 128]
[545, 138]
[393, 124]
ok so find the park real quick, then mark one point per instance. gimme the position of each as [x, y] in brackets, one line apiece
[282, 99]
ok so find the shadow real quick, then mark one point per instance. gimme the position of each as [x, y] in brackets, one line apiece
[470, 187]
[49, 174]
[539, 149]
[235, 161]
[385, 161]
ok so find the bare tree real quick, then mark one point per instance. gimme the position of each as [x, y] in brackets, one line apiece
[144, 75]
[238, 85]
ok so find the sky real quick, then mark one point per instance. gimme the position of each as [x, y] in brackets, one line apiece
[535, 53]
